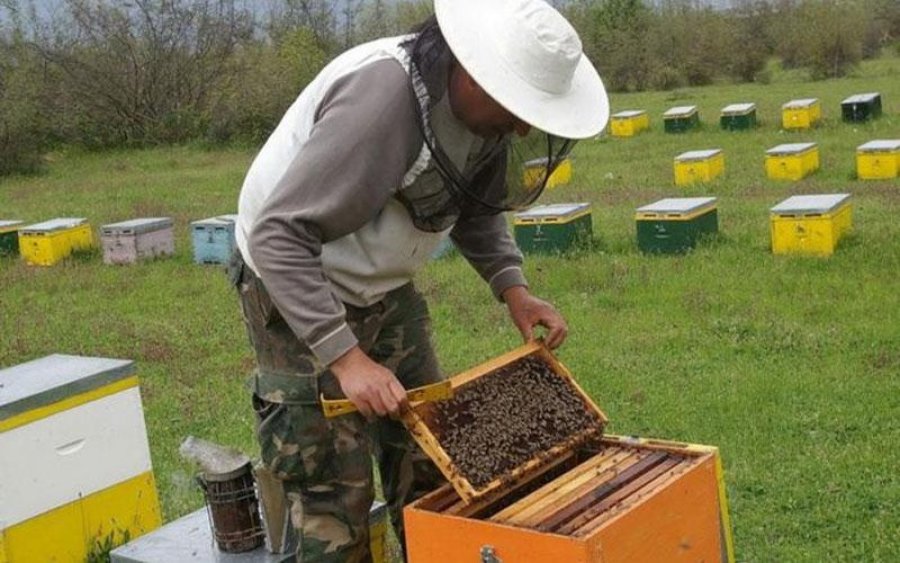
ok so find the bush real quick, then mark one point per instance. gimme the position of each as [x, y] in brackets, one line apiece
[21, 131]
[270, 80]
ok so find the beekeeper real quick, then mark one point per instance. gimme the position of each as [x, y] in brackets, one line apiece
[396, 145]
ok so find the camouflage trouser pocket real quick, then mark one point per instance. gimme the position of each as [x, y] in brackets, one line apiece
[256, 305]
[295, 440]
[287, 368]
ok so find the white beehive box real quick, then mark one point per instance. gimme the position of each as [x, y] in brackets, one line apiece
[75, 468]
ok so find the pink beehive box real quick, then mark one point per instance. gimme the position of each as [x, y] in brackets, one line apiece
[138, 239]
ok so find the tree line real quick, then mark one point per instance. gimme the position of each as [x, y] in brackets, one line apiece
[105, 73]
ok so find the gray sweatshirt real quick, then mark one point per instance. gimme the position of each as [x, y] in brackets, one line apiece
[318, 219]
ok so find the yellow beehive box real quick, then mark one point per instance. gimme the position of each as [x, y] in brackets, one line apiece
[878, 160]
[76, 473]
[801, 114]
[810, 224]
[629, 123]
[45, 244]
[699, 166]
[535, 169]
[792, 161]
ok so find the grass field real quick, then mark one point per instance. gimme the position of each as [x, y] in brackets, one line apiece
[790, 365]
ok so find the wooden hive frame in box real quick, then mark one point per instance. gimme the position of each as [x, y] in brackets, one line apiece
[591, 499]
[417, 421]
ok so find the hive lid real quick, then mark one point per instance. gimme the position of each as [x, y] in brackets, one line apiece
[881, 145]
[861, 98]
[141, 225]
[698, 155]
[508, 418]
[680, 111]
[628, 113]
[810, 204]
[231, 217]
[50, 379]
[212, 221]
[6, 226]
[552, 210]
[800, 103]
[790, 148]
[58, 224]
[678, 205]
[190, 538]
[738, 109]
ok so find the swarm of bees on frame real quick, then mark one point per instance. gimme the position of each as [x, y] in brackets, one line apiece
[504, 418]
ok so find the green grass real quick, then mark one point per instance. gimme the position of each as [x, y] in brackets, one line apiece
[790, 365]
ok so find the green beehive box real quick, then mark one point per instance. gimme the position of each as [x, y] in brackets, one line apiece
[673, 225]
[681, 118]
[553, 228]
[861, 107]
[9, 237]
[738, 117]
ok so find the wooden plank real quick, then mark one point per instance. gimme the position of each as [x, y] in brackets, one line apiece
[675, 523]
[594, 516]
[552, 492]
[432, 448]
[563, 372]
[528, 349]
[536, 518]
[486, 503]
[438, 498]
[555, 493]
[445, 500]
[602, 491]
[679, 448]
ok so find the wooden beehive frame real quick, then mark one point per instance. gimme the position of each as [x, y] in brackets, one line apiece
[592, 489]
[429, 443]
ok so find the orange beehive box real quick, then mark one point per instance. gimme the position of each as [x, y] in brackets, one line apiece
[588, 498]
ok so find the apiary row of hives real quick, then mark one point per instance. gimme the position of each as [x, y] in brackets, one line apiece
[808, 224]
[126, 242]
[875, 160]
[532, 477]
[802, 113]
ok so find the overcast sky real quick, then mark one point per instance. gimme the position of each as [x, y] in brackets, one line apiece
[46, 7]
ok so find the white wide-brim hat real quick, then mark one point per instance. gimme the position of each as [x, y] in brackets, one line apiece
[528, 58]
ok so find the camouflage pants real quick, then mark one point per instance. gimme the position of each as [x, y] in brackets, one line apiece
[325, 465]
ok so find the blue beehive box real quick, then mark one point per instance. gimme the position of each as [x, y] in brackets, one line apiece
[213, 239]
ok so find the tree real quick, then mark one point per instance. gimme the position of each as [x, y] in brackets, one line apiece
[271, 78]
[882, 26]
[315, 15]
[833, 37]
[144, 71]
[751, 21]
[824, 36]
[615, 35]
[23, 133]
